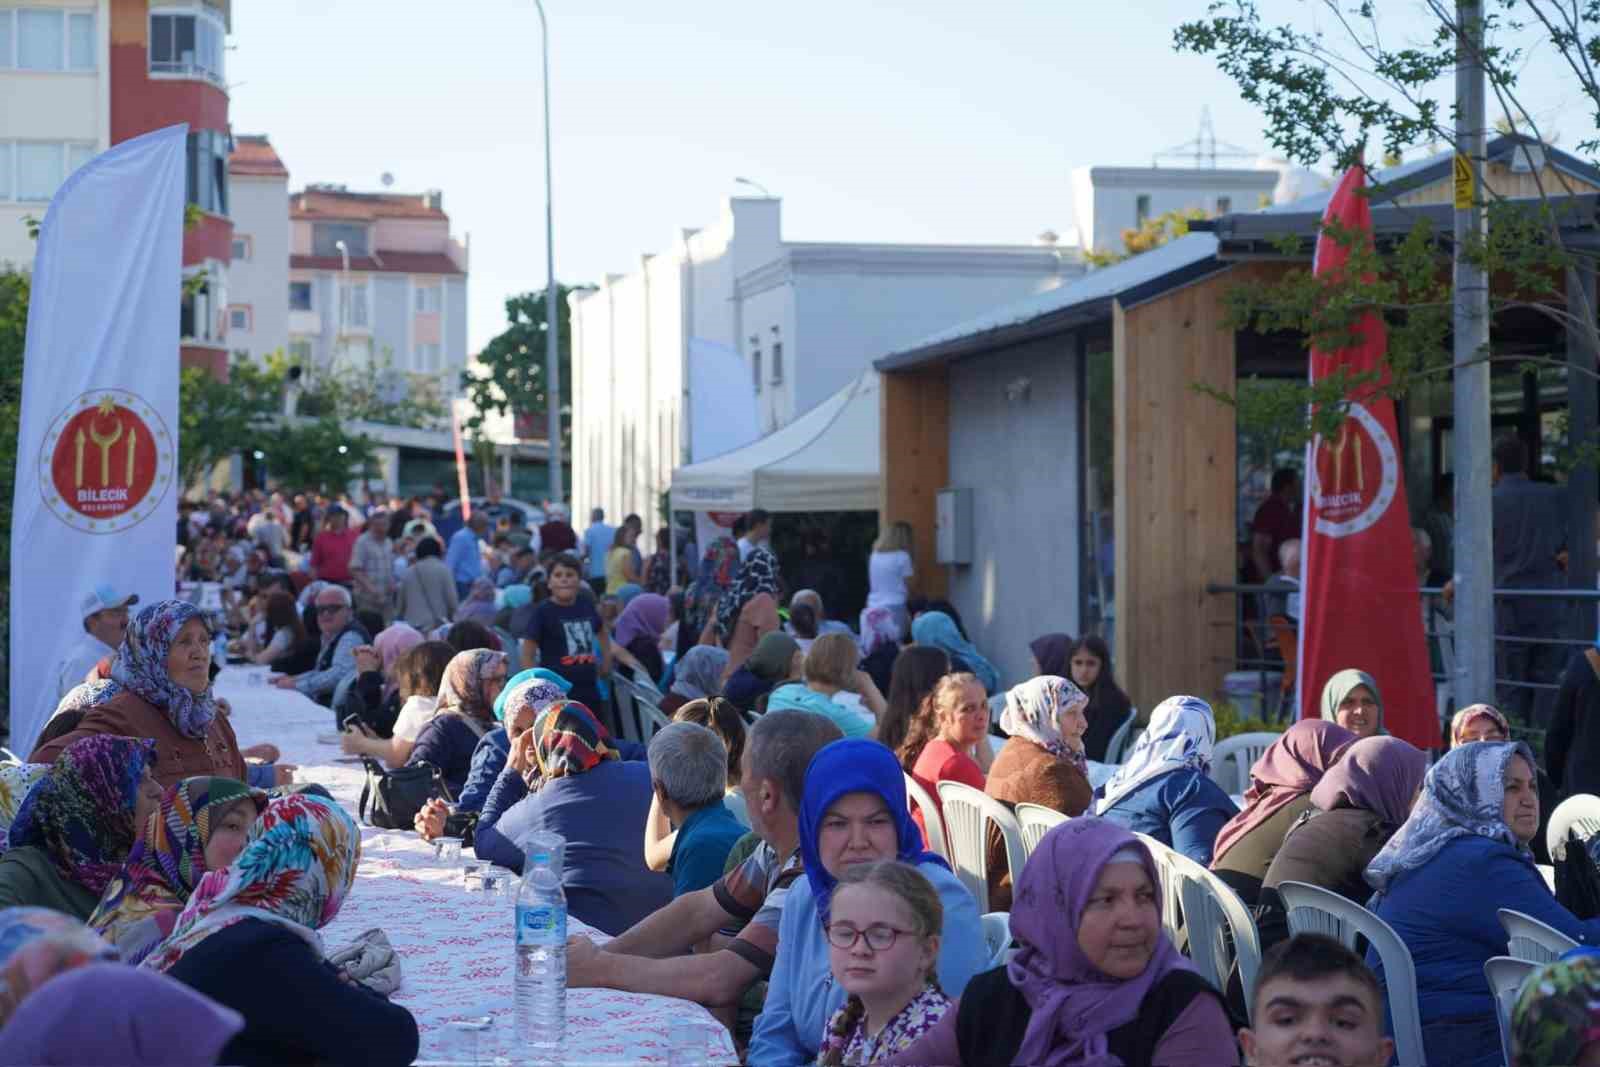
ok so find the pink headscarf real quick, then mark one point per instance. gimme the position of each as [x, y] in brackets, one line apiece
[393, 643]
[1289, 769]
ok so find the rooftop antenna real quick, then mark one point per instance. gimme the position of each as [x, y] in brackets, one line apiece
[1205, 149]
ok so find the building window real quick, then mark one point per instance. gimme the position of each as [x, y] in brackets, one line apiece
[353, 303]
[428, 359]
[755, 362]
[239, 318]
[325, 238]
[1141, 208]
[6, 152]
[428, 298]
[78, 155]
[187, 45]
[777, 363]
[207, 160]
[34, 170]
[195, 318]
[299, 296]
[241, 249]
[1224, 204]
[300, 352]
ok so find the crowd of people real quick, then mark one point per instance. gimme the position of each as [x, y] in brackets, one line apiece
[760, 855]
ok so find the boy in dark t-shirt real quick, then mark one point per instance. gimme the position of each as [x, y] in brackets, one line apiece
[564, 634]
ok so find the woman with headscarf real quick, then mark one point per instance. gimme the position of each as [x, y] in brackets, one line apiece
[853, 810]
[374, 696]
[479, 605]
[1556, 1018]
[465, 714]
[1281, 782]
[1484, 722]
[1164, 789]
[1572, 746]
[266, 907]
[719, 565]
[636, 639]
[1094, 980]
[1089, 661]
[1352, 700]
[15, 781]
[1051, 655]
[164, 679]
[880, 646]
[1461, 857]
[36, 944]
[564, 775]
[1041, 763]
[777, 659]
[697, 676]
[77, 824]
[200, 826]
[938, 629]
[748, 610]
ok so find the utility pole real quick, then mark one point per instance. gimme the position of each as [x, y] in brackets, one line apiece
[1474, 513]
[552, 317]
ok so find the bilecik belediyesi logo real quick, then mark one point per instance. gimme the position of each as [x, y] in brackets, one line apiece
[1354, 474]
[106, 463]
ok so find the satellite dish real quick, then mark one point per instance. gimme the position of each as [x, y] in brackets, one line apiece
[387, 179]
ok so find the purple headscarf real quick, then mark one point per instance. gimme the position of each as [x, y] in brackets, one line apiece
[1379, 774]
[1052, 652]
[645, 616]
[1074, 1005]
[1289, 769]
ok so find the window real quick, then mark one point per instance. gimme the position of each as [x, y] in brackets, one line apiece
[240, 252]
[78, 155]
[755, 362]
[428, 297]
[195, 318]
[239, 318]
[777, 358]
[1141, 208]
[5, 170]
[189, 46]
[325, 238]
[39, 170]
[299, 296]
[1224, 204]
[7, 36]
[428, 358]
[41, 40]
[80, 41]
[207, 162]
[353, 302]
[300, 352]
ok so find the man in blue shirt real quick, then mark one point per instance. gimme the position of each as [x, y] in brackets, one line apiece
[596, 545]
[464, 558]
[1530, 533]
[689, 772]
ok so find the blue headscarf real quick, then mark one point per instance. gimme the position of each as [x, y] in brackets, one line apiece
[627, 592]
[854, 766]
[535, 674]
[938, 629]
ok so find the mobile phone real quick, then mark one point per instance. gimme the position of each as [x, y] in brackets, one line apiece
[354, 721]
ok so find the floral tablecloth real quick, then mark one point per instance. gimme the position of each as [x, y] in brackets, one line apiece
[456, 947]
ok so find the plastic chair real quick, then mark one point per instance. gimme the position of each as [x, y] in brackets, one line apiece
[1233, 757]
[1505, 975]
[1221, 930]
[627, 714]
[1532, 940]
[967, 815]
[1035, 821]
[1580, 812]
[1171, 887]
[932, 820]
[1119, 740]
[997, 935]
[1314, 910]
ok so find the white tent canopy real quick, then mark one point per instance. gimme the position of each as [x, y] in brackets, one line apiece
[826, 460]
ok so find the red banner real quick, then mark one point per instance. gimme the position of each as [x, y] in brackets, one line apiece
[1360, 606]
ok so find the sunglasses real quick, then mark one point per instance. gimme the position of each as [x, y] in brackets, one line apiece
[330, 609]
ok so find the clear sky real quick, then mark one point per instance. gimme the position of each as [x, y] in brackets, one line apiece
[874, 120]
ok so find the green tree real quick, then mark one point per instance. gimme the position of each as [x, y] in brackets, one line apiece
[13, 334]
[1150, 234]
[514, 382]
[375, 391]
[315, 453]
[216, 417]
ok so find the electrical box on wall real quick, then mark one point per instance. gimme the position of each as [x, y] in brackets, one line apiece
[952, 525]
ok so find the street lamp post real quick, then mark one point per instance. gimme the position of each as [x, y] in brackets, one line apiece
[552, 334]
[344, 296]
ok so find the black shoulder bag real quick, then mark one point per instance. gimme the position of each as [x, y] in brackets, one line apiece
[390, 800]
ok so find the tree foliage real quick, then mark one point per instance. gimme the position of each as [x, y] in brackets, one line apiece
[513, 378]
[316, 454]
[1150, 234]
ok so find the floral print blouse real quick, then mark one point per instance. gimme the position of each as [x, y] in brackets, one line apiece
[914, 1020]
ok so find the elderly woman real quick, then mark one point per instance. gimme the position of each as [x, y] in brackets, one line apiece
[266, 908]
[15, 781]
[697, 676]
[200, 826]
[748, 610]
[465, 714]
[36, 944]
[77, 825]
[1043, 763]
[164, 693]
[1351, 699]
[853, 811]
[1483, 722]
[1094, 979]
[1281, 782]
[1163, 789]
[1461, 856]
[564, 775]
[940, 630]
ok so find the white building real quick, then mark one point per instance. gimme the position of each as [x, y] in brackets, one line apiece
[258, 280]
[804, 319]
[1108, 200]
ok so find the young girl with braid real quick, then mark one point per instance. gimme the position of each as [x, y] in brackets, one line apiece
[883, 937]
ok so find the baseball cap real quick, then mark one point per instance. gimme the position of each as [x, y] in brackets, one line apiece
[103, 598]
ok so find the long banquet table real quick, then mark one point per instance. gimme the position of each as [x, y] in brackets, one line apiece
[455, 947]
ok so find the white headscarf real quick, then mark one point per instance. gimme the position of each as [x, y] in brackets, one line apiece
[1033, 712]
[1180, 735]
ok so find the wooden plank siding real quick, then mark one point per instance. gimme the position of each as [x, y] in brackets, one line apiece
[915, 448]
[1502, 181]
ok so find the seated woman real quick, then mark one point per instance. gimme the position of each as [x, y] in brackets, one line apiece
[635, 640]
[776, 659]
[1042, 763]
[36, 944]
[15, 781]
[1461, 856]
[1351, 699]
[1163, 789]
[78, 823]
[253, 927]
[465, 714]
[940, 630]
[164, 679]
[1483, 722]
[418, 674]
[1094, 979]
[696, 676]
[563, 775]
[831, 670]
[853, 810]
[1281, 781]
[1090, 662]
[948, 740]
[200, 826]
[374, 696]
[283, 631]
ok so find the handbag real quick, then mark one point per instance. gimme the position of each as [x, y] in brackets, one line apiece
[390, 800]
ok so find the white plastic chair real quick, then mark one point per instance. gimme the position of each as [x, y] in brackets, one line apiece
[931, 819]
[967, 815]
[1581, 813]
[997, 935]
[1035, 820]
[1221, 930]
[1314, 910]
[1233, 757]
[1171, 887]
[1119, 740]
[1532, 940]
[627, 714]
[1505, 976]
[647, 716]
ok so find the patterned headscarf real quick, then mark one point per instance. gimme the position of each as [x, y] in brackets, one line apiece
[1033, 712]
[938, 629]
[1290, 768]
[568, 739]
[82, 811]
[141, 904]
[296, 869]
[87, 695]
[38, 943]
[535, 674]
[1477, 711]
[718, 565]
[1180, 735]
[15, 781]
[758, 575]
[699, 673]
[878, 627]
[534, 695]
[1557, 1012]
[461, 690]
[141, 666]
[1463, 796]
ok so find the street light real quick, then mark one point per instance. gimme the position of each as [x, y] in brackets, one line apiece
[344, 296]
[552, 334]
[753, 185]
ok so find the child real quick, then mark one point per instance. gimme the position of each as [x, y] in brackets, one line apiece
[883, 937]
[1316, 1001]
[566, 635]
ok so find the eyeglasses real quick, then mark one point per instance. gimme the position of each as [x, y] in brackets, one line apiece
[880, 936]
[330, 609]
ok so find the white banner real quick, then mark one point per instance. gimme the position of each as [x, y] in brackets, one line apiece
[97, 448]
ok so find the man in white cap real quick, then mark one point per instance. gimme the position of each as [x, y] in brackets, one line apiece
[105, 623]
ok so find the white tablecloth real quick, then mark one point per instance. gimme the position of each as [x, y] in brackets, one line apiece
[455, 947]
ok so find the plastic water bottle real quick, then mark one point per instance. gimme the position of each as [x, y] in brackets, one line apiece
[219, 648]
[540, 998]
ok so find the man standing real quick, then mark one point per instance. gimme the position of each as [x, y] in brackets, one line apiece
[372, 567]
[1275, 521]
[556, 533]
[1530, 531]
[304, 526]
[597, 541]
[517, 570]
[341, 636]
[105, 623]
[268, 532]
[464, 557]
[332, 548]
[758, 531]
